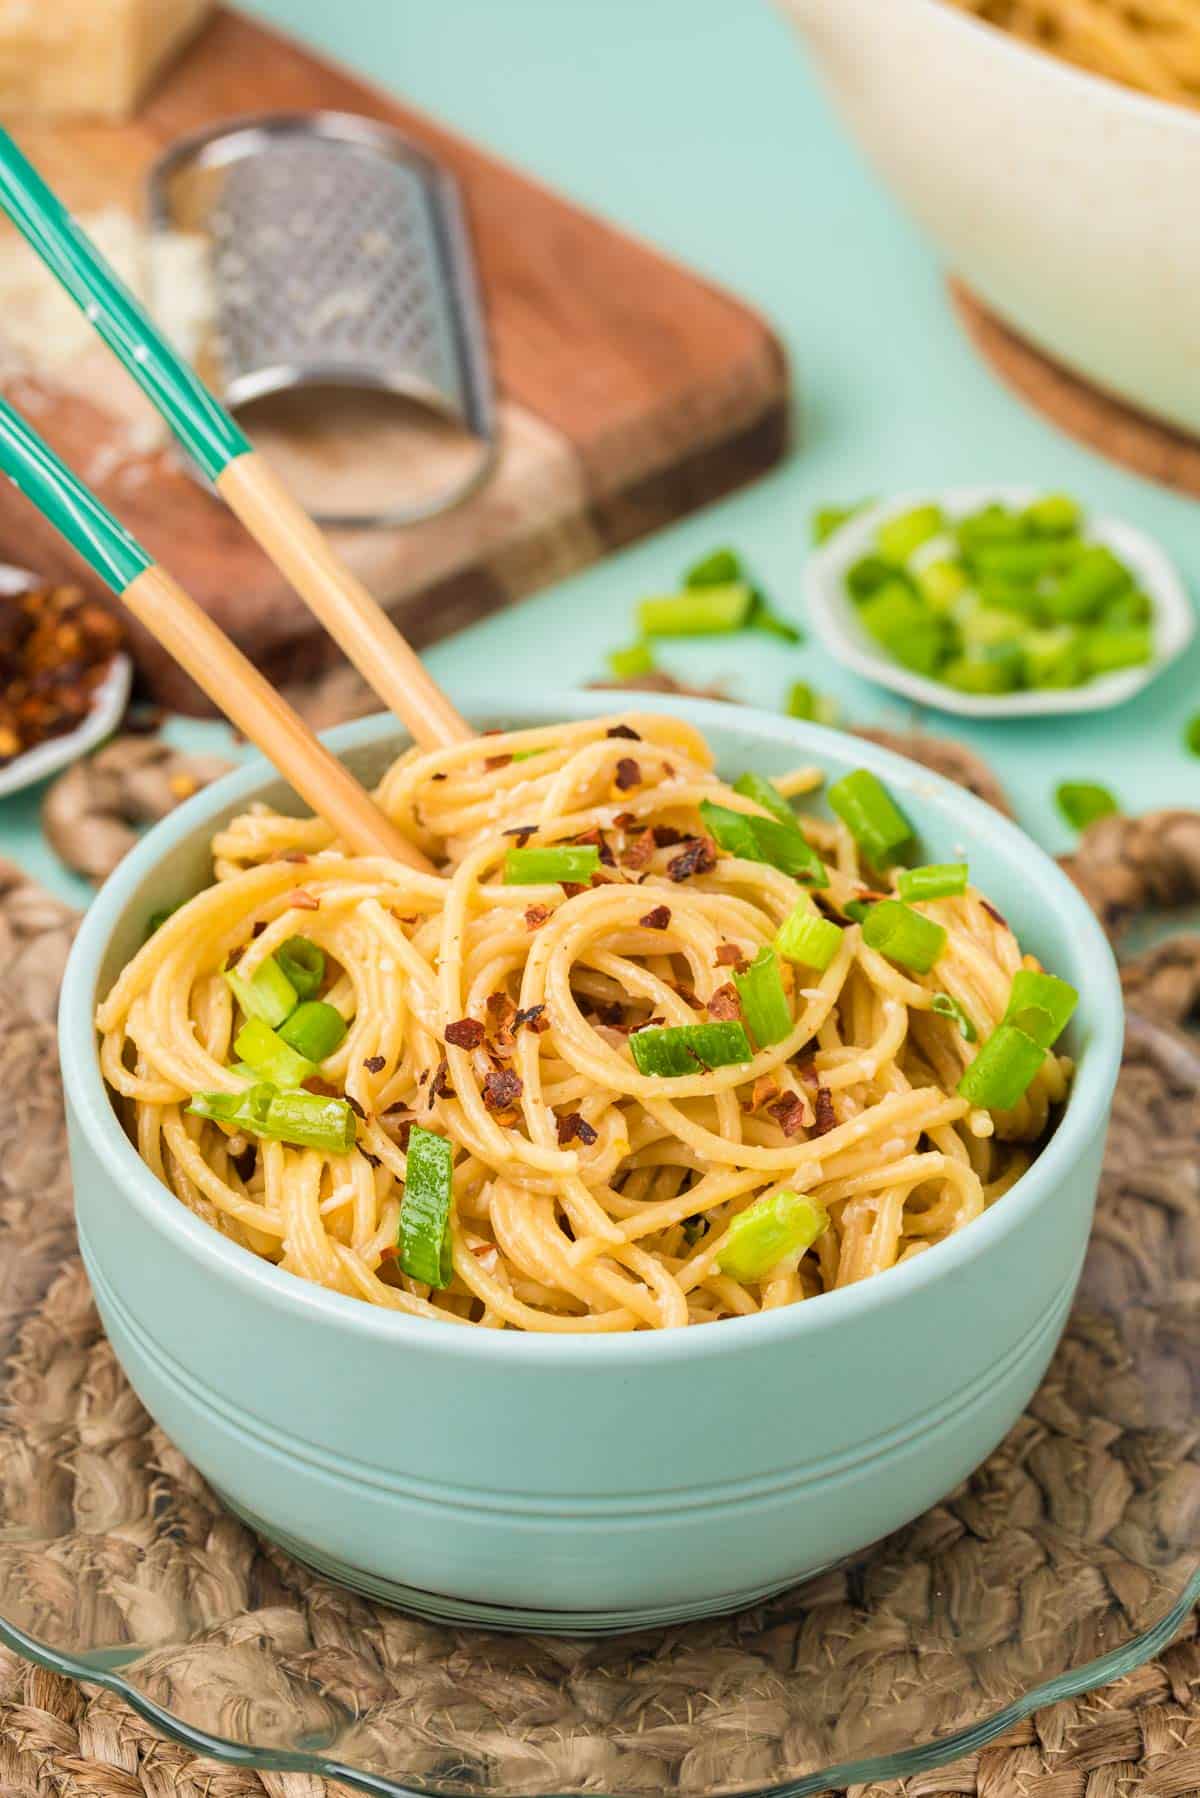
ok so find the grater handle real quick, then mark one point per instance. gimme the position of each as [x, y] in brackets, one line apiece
[291, 539]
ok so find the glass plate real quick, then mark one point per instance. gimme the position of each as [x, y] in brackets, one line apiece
[1070, 1556]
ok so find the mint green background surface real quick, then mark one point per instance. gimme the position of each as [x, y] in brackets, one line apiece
[696, 124]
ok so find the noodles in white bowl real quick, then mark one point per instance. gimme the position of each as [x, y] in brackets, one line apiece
[532, 1110]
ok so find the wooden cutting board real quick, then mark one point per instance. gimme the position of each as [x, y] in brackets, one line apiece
[630, 391]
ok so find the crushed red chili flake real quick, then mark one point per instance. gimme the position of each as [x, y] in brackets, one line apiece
[356, 1108]
[627, 774]
[658, 919]
[532, 1018]
[301, 900]
[467, 1033]
[501, 1089]
[500, 1008]
[56, 647]
[807, 1070]
[440, 1087]
[496, 761]
[698, 856]
[399, 1128]
[826, 1118]
[294, 855]
[375, 1064]
[688, 996]
[624, 819]
[612, 1014]
[724, 1003]
[763, 1091]
[624, 730]
[535, 916]
[788, 1112]
[371, 1160]
[729, 955]
[574, 1126]
[666, 836]
[572, 888]
[636, 854]
[438, 776]
[991, 911]
[321, 1087]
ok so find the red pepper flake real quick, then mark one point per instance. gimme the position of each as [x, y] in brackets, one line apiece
[467, 1033]
[637, 853]
[826, 1119]
[501, 1089]
[688, 996]
[572, 888]
[357, 1109]
[441, 775]
[658, 919]
[623, 820]
[574, 1127]
[294, 855]
[398, 1127]
[627, 774]
[371, 1160]
[322, 1088]
[699, 856]
[763, 1091]
[533, 1019]
[991, 911]
[441, 1087]
[729, 955]
[302, 900]
[666, 836]
[624, 730]
[724, 1003]
[535, 916]
[375, 1064]
[788, 1112]
[497, 761]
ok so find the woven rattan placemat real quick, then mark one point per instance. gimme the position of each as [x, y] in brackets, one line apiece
[1139, 1735]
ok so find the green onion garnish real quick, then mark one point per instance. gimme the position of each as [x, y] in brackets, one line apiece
[575, 862]
[1081, 802]
[805, 936]
[1106, 651]
[630, 663]
[697, 612]
[675, 1049]
[268, 995]
[425, 1248]
[765, 1005]
[1002, 1069]
[1191, 735]
[1040, 1004]
[804, 702]
[756, 839]
[308, 1120]
[828, 519]
[946, 1007]
[898, 537]
[871, 815]
[158, 918]
[763, 617]
[778, 1228]
[717, 569]
[856, 910]
[314, 1029]
[936, 880]
[903, 935]
[270, 1057]
[1054, 515]
[765, 793]
[1094, 576]
[867, 575]
[304, 965]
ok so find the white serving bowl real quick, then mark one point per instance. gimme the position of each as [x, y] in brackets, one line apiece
[1067, 202]
[834, 615]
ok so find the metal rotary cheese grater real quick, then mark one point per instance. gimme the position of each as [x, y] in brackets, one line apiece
[338, 258]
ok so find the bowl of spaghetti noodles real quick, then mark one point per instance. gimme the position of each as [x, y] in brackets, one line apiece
[678, 1187]
[1051, 151]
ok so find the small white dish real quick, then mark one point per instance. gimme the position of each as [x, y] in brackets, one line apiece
[834, 618]
[108, 703]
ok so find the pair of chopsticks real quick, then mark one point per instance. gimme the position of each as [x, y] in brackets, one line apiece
[285, 531]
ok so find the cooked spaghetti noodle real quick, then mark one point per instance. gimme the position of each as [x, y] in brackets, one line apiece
[1153, 45]
[587, 1196]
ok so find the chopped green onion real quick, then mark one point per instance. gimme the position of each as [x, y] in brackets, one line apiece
[867, 575]
[717, 569]
[697, 612]
[1191, 735]
[828, 519]
[1096, 576]
[992, 524]
[1054, 515]
[1081, 802]
[1040, 1004]
[940, 583]
[912, 634]
[426, 1251]
[983, 673]
[1002, 1070]
[628, 664]
[767, 840]
[871, 815]
[764, 793]
[1106, 651]
[936, 880]
[271, 1058]
[575, 862]
[903, 935]
[804, 702]
[1027, 560]
[947, 1007]
[898, 537]
[762, 616]
[315, 1029]
[303, 963]
[778, 1228]
[157, 919]
[1131, 607]
[268, 994]
[856, 910]
[1053, 658]
[309, 1120]
[805, 936]
[765, 1005]
[671, 1050]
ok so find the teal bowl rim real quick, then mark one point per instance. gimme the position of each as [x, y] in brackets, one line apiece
[259, 1280]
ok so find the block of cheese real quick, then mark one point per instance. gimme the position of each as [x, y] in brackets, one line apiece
[88, 58]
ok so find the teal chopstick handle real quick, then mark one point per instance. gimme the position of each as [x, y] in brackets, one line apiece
[199, 421]
[72, 509]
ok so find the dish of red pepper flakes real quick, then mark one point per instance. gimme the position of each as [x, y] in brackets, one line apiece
[56, 646]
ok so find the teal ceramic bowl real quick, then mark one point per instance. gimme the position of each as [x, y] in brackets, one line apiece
[607, 1482]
